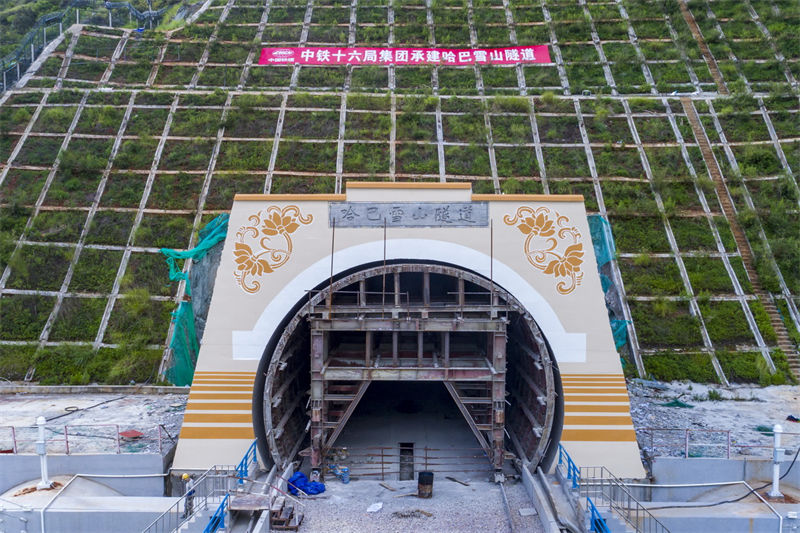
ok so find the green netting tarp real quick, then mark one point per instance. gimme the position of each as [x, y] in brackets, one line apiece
[184, 345]
[605, 251]
[677, 403]
[619, 328]
[602, 239]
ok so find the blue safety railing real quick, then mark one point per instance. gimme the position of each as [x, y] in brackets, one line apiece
[217, 521]
[570, 470]
[596, 522]
[243, 468]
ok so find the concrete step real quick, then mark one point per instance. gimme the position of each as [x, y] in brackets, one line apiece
[198, 522]
[614, 522]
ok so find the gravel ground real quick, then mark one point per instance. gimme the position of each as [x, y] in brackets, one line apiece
[454, 508]
[92, 421]
[740, 410]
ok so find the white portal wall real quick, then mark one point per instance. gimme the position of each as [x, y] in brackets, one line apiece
[567, 347]
[597, 424]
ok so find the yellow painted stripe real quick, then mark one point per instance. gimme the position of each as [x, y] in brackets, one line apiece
[593, 376]
[189, 432]
[210, 377]
[406, 185]
[218, 406]
[291, 197]
[225, 374]
[232, 388]
[601, 435]
[220, 396]
[595, 398]
[527, 198]
[619, 382]
[595, 420]
[593, 381]
[203, 379]
[217, 417]
[583, 408]
[614, 390]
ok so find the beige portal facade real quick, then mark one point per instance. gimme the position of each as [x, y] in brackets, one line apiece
[537, 248]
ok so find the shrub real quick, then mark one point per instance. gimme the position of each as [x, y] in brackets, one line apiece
[741, 367]
[676, 366]
[15, 361]
[62, 364]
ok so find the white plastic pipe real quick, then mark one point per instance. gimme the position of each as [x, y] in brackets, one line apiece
[776, 462]
[41, 449]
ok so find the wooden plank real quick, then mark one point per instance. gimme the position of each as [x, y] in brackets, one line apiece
[250, 502]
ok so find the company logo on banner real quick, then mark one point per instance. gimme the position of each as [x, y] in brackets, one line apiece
[404, 56]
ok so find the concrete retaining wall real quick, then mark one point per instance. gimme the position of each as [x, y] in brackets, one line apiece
[670, 470]
[16, 469]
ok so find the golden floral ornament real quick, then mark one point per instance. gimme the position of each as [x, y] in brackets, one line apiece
[552, 244]
[265, 244]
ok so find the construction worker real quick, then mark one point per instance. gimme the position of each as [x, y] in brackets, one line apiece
[188, 507]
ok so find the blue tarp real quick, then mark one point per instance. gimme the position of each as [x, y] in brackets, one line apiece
[300, 481]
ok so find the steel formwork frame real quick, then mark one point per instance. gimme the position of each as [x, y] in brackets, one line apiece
[490, 435]
[459, 336]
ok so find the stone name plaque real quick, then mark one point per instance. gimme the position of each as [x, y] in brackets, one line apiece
[408, 214]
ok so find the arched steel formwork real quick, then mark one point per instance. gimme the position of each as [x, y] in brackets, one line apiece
[409, 322]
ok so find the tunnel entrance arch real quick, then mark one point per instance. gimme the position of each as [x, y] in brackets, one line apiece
[409, 321]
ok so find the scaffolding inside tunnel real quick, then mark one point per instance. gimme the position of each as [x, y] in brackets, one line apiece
[410, 322]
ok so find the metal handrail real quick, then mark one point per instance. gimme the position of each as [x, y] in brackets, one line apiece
[568, 467]
[250, 457]
[713, 484]
[685, 445]
[34, 42]
[596, 521]
[609, 490]
[217, 520]
[70, 441]
[212, 484]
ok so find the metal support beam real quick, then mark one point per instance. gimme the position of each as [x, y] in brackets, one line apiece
[410, 310]
[319, 348]
[368, 349]
[498, 397]
[388, 324]
[468, 417]
[403, 373]
[396, 310]
[395, 342]
[536, 427]
[346, 415]
[419, 347]
[446, 348]
[287, 381]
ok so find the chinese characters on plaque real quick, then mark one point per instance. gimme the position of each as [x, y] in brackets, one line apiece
[408, 214]
[404, 56]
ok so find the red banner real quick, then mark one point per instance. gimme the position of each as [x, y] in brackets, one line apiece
[404, 56]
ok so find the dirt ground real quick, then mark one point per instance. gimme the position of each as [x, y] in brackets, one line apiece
[739, 410]
[92, 421]
[453, 508]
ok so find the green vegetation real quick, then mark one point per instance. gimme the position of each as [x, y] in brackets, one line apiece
[489, 119]
[670, 366]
